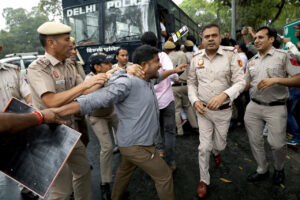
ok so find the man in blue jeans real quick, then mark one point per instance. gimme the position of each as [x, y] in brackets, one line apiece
[292, 125]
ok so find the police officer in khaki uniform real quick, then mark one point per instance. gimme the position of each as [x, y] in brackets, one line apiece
[188, 49]
[267, 73]
[80, 121]
[101, 121]
[54, 82]
[180, 88]
[122, 58]
[13, 84]
[215, 79]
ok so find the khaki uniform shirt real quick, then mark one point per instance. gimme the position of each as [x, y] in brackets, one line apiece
[47, 74]
[117, 65]
[208, 78]
[102, 112]
[80, 70]
[189, 55]
[12, 84]
[276, 63]
[178, 58]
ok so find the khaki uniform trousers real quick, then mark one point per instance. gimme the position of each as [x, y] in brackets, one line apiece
[213, 128]
[276, 118]
[146, 158]
[182, 101]
[101, 126]
[78, 164]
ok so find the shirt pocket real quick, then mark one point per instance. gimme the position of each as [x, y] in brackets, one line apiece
[12, 87]
[201, 73]
[275, 70]
[60, 85]
[253, 72]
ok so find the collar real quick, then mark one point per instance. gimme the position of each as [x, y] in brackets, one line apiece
[220, 51]
[52, 59]
[271, 51]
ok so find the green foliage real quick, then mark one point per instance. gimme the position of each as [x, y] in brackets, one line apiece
[253, 13]
[20, 35]
[52, 8]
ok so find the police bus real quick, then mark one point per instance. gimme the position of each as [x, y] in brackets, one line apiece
[106, 25]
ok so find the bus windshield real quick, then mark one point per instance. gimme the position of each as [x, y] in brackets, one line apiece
[84, 23]
[127, 20]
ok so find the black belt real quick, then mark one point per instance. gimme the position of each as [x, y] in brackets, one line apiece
[222, 107]
[273, 103]
[179, 84]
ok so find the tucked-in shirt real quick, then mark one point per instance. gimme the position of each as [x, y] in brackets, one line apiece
[135, 104]
[12, 84]
[276, 63]
[163, 90]
[208, 78]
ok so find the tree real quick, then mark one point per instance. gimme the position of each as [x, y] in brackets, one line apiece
[253, 13]
[52, 8]
[20, 35]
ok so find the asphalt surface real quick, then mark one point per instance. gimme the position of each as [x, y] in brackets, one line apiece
[237, 163]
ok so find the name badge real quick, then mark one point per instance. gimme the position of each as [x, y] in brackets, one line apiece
[251, 68]
[60, 82]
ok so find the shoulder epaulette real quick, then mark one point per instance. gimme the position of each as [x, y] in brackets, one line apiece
[199, 52]
[281, 51]
[43, 61]
[8, 65]
[228, 48]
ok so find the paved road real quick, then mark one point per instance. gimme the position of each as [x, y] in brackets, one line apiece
[237, 163]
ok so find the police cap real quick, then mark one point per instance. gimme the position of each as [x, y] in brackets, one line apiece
[98, 58]
[188, 43]
[53, 28]
[169, 45]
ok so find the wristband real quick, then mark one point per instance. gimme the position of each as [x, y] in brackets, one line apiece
[40, 116]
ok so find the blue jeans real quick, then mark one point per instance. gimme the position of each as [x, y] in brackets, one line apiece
[292, 125]
[165, 141]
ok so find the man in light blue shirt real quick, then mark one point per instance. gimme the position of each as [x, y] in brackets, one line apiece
[137, 109]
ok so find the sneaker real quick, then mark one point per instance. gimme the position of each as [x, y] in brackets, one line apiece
[293, 142]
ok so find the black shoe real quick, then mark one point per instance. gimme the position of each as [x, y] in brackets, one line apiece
[116, 150]
[257, 177]
[28, 195]
[105, 192]
[278, 177]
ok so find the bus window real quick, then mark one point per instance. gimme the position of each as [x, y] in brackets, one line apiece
[128, 20]
[84, 23]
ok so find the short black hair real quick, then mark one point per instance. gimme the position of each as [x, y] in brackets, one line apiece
[119, 49]
[149, 38]
[189, 49]
[210, 26]
[271, 32]
[43, 38]
[144, 53]
[192, 38]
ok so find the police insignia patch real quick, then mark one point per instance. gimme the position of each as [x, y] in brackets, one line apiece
[201, 62]
[55, 74]
[294, 61]
[240, 63]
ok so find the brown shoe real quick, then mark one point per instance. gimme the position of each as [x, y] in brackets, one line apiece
[217, 159]
[201, 189]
